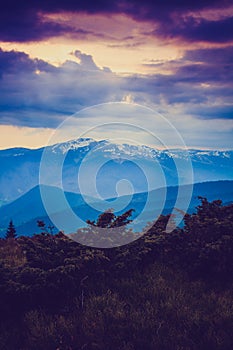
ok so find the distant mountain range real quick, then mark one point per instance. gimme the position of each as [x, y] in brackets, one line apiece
[104, 165]
[19, 170]
[26, 210]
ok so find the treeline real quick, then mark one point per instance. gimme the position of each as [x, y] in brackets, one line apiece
[163, 291]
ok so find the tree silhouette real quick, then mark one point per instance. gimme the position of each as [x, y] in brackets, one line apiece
[109, 220]
[107, 231]
[45, 229]
[11, 231]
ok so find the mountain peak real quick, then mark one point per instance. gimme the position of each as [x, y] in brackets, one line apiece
[73, 144]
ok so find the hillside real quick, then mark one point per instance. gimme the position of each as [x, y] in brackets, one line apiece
[163, 291]
[20, 167]
[29, 208]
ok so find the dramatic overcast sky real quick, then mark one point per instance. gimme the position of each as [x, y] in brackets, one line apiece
[175, 56]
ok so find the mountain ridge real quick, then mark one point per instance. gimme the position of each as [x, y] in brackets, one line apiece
[20, 167]
[29, 208]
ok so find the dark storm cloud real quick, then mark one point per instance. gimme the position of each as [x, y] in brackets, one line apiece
[35, 93]
[164, 10]
[202, 78]
[207, 66]
[217, 56]
[176, 19]
[191, 29]
[13, 62]
[23, 21]
[214, 66]
[22, 25]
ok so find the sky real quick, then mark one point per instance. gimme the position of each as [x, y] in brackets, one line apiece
[60, 57]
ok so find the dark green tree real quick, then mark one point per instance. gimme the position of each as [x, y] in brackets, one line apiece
[107, 231]
[11, 231]
[109, 220]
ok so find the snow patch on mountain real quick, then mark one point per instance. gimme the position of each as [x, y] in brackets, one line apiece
[20, 167]
[73, 145]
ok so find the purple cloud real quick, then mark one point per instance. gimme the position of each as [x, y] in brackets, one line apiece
[35, 93]
[191, 29]
[23, 21]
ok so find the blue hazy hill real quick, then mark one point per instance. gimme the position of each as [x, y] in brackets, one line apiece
[26, 210]
[20, 167]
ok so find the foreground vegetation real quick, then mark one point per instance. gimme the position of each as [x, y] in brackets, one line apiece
[163, 291]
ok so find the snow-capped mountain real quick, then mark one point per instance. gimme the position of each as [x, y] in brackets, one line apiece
[105, 164]
[74, 145]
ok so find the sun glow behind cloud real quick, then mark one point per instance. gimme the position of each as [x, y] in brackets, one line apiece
[117, 42]
[175, 59]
